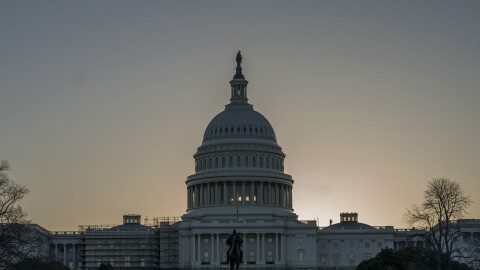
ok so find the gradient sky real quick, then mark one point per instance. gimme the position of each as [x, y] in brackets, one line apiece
[103, 103]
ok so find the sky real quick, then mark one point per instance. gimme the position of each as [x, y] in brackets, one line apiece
[103, 103]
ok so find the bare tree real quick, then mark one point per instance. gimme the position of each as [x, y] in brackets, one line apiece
[444, 202]
[17, 239]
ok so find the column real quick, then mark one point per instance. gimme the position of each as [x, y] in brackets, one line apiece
[270, 193]
[201, 195]
[277, 251]
[290, 196]
[243, 192]
[209, 198]
[199, 241]
[225, 193]
[278, 192]
[263, 247]
[56, 252]
[194, 196]
[193, 256]
[218, 249]
[234, 195]
[217, 197]
[188, 197]
[65, 254]
[212, 238]
[74, 257]
[257, 259]
[282, 248]
[252, 192]
[261, 193]
[245, 249]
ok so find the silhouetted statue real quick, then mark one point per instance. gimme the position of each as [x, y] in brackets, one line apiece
[235, 252]
[239, 58]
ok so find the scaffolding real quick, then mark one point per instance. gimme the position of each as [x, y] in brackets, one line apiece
[167, 233]
[123, 247]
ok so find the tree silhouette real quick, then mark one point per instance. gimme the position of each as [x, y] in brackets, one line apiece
[444, 202]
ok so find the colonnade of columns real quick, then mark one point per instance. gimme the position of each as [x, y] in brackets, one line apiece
[258, 248]
[241, 192]
[67, 255]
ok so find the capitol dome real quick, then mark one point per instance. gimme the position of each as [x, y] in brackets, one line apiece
[239, 121]
[239, 163]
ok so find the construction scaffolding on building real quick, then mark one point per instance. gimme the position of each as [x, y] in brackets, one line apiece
[130, 245]
[167, 233]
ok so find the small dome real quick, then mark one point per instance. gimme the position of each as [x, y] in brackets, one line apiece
[239, 121]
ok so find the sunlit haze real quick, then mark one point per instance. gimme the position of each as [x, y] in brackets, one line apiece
[103, 103]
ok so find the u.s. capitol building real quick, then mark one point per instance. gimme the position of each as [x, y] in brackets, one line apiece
[239, 183]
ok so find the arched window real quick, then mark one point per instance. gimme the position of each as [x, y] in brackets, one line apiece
[261, 162]
[231, 161]
[216, 162]
[246, 161]
[210, 163]
[238, 161]
[223, 162]
[254, 162]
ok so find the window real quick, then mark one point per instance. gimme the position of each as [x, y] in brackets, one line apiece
[367, 244]
[238, 161]
[351, 245]
[336, 245]
[231, 162]
[269, 239]
[216, 162]
[301, 255]
[269, 256]
[254, 162]
[205, 240]
[223, 162]
[323, 260]
[250, 240]
[336, 260]
[300, 240]
[142, 262]
[351, 259]
[210, 164]
[261, 162]
[251, 256]
[367, 256]
[380, 244]
[246, 161]
[323, 245]
[224, 254]
[206, 257]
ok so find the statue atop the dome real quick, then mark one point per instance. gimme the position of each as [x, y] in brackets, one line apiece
[239, 58]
